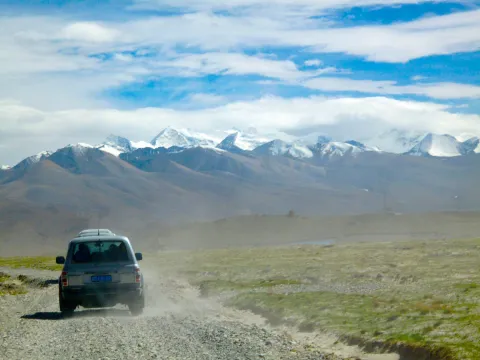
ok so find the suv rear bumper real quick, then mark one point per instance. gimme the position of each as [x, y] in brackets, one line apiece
[103, 295]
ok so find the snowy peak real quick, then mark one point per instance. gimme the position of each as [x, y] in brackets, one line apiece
[36, 158]
[426, 144]
[248, 140]
[463, 137]
[238, 141]
[115, 151]
[141, 145]
[117, 145]
[170, 137]
[445, 146]
[120, 143]
[395, 140]
[79, 149]
[335, 149]
[438, 145]
[41, 155]
[31, 160]
[229, 144]
[182, 138]
[471, 145]
[281, 148]
[275, 147]
[361, 146]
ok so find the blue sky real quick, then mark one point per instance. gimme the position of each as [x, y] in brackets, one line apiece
[79, 70]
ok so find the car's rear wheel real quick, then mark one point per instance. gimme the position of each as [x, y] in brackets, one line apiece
[66, 308]
[136, 307]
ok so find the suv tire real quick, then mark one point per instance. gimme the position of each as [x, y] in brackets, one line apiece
[66, 308]
[136, 307]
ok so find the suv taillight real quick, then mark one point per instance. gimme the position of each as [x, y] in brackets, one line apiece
[138, 277]
[64, 278]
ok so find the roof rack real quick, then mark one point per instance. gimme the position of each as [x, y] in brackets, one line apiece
[95, 232]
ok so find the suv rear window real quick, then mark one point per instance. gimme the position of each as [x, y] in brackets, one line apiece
[100, 251]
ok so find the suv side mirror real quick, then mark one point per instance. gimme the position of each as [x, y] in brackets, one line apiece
[139, 256]
[60, 260]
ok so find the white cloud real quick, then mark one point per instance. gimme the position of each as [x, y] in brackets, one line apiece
[432, 90]
[418, 77]
[391, 43]
[388, 43]
[406, 41]
[25, 130]
[39, 66]
[238, 64]
[314, 62]
[25, 49]
[88, 32]
[204, 5]
[48, 73]
[444, 90]
[207, 99]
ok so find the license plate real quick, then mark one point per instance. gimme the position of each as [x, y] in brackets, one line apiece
[102, 278]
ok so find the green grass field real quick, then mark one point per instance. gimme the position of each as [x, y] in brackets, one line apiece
[41, 263]
[425, 293]
[19, 285]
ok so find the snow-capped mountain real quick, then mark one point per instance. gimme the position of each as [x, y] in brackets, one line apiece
[75, 149]
[119, 142]
[362, 146]
[112, 150]
[229, 144]
[463, 137]
[395, 141]
[114, 144]
[426, 144]
[324, 148]
[471, 145]
[184, 138]
[245, 140]
[313, 145]
[117, 145]
[33, 159]
[443, 146]
[280, 147]
[335, 149]
[79, 148]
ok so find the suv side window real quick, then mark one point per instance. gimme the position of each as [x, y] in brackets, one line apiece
[100, 251]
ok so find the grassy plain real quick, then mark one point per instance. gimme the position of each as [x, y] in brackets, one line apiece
[31, 262]
[425, 294]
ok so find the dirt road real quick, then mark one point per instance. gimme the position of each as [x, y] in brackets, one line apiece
[176, 325]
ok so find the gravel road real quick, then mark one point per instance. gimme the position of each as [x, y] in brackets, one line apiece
[177, 324]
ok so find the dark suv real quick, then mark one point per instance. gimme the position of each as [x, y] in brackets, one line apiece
[100, 270]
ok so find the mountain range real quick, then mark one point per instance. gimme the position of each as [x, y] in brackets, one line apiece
[281, 144]
[184, 176]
